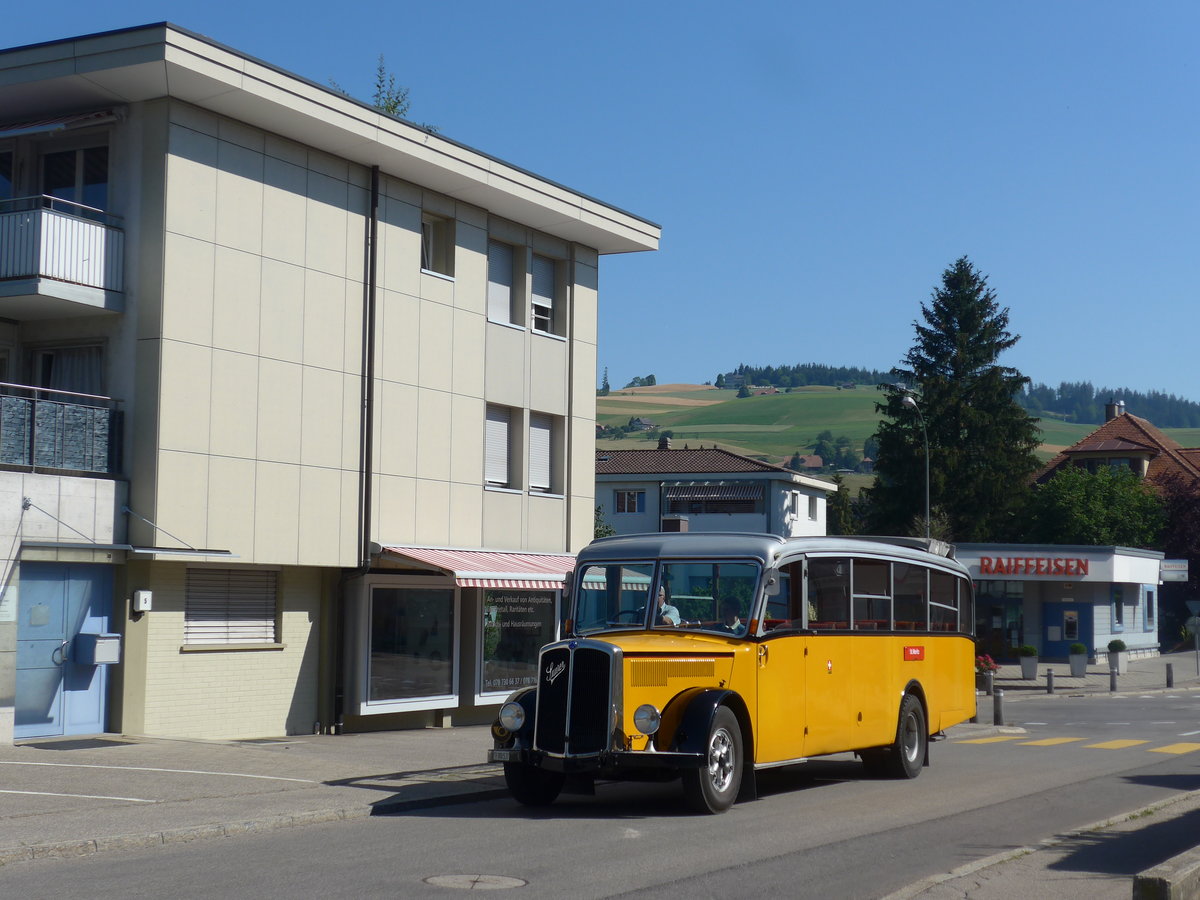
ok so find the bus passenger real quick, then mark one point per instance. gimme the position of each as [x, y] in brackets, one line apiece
[667, 614]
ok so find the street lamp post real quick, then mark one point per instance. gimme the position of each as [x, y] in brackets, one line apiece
[910, 401]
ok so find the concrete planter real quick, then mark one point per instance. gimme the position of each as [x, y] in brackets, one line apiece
[1118, 661]
[1078, 663]
[1029, 667]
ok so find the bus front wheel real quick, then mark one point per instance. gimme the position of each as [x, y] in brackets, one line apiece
[531, 786]
[907, 755]
[713, 787]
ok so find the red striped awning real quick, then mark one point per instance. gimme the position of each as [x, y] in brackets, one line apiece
[493, 568]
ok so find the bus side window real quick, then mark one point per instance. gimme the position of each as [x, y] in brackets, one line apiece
[912, 595]
[784, 611]
[829, 594]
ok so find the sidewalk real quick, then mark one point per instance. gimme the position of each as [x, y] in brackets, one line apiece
[70, 797]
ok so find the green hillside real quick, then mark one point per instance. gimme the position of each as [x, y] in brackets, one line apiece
[777, 425]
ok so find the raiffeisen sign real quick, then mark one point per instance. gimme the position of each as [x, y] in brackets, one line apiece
[1058, 566]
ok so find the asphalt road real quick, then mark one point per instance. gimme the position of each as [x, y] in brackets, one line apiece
[823, 830]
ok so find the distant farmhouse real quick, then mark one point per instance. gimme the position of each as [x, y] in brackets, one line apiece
[1129, 441]
[706, 490]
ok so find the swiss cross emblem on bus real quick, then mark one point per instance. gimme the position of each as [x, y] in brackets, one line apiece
[912, 653]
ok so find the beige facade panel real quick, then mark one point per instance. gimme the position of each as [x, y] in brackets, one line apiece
[239, 196]
[231, 506]
[395, 428]
[434, 427]
[548, 379]
[466, 442]
[398, 332]
[504, 519]
[184, 492]
[326, 223]
[234, 410]
[325, 420]
[395, 509]
[185, 394]
[325, 300]
[547, 520]
[584, 302]
[192, 184]
[284, 209]
[581, 523]
[505, 365]
[276, 514]
[466, 515]
[399, 245]
[188, 286]
[321, 517]
[433, 512]
[280, 386]
[583, 387]
[237, 287]
[470, 331]
[281, 306]
[436, 350]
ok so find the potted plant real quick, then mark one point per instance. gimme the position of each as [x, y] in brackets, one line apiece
[1077, 655]
[1118, 659]
[985, 673]
[1029, 661]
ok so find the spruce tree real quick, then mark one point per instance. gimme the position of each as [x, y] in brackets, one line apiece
[981, 442]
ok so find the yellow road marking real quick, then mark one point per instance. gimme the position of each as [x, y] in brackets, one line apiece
[1115, 745]
[992, 740]
[1177, 748]
[1050, 742]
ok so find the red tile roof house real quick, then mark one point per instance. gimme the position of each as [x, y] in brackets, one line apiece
[706, 490]
[1126, 440]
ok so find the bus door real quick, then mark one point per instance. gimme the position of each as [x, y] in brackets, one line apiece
[781, 672]
[829, 666]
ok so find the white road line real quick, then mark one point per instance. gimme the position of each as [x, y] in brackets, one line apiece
[79, 796]
[1189, 733]
[13, 762]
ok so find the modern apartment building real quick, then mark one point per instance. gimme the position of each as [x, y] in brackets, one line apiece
[297, 415]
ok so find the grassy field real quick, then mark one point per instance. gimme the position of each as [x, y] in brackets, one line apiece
[777, 425]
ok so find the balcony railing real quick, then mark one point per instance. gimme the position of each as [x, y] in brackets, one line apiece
[46, 429]
[44, 237]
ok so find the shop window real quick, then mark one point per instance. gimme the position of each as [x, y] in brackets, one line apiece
[1149, 619]
[230, 606]
[411, 644]
[1118, 607]
[515, 626]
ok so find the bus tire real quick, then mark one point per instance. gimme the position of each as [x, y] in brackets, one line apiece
[906, 757]
[714, 786]
[531, 786]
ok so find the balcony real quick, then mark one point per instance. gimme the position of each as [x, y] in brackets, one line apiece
[69, 433]
[59, 259]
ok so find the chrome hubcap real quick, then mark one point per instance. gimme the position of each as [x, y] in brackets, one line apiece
[720, 760]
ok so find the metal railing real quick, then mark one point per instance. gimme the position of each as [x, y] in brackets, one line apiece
[67, 431]
[45, 237]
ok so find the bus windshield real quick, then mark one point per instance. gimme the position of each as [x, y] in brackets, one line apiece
[701, 595]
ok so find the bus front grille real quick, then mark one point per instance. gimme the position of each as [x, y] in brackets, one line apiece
[574, 701]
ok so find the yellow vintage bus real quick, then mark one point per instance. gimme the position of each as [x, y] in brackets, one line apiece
[710, 657]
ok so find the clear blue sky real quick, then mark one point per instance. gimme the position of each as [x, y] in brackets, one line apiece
[814, 165]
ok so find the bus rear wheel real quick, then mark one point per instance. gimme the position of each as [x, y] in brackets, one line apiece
[907, 755]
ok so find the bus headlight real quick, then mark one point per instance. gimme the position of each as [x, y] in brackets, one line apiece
[512, 716]
[646, 719]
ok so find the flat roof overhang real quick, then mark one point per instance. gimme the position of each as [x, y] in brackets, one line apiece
[162, 60]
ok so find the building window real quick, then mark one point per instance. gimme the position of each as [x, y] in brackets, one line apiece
[412, 644]
[1148, 619]
[1118, 607]
[629, 501]
[544, 307]
[541, 452]
[437, 245]
[501, 272]
[6, 175]
[230, 606]
[78, 369]
[812, 508]
[497, 446]
[515, 626]
[77, 176]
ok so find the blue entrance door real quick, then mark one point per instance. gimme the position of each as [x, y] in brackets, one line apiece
[54, 694]
[1066, 624]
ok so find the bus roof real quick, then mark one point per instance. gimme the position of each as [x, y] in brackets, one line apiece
[768, 548]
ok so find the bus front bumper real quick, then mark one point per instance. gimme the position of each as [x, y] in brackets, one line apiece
[610, 761]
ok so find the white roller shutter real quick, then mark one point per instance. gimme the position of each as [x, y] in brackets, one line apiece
[540, 445]
[496, 446]
[230, 606]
